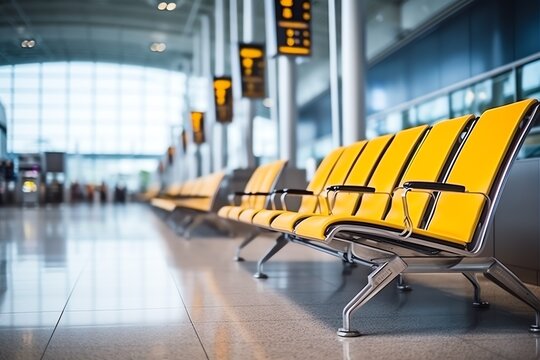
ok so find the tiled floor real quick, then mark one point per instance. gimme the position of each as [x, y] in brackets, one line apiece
[116, 283]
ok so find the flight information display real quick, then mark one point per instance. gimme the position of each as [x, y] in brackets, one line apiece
[252, 67]
[223, 98]
[197, 126]
[293, 27]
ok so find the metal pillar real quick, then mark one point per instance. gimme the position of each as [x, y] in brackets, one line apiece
[272, 70]
[210, 115]
[334, 73]
[248, 104]
[353, 70]
[220, 131]
[195, 168]
[287, 109]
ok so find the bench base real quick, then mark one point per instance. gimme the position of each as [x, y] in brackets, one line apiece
[348, 333]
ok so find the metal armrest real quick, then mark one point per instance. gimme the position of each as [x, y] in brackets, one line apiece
[360, 189]
[435, 186]
[431, 188]
[237, 194]
[351, 188]
[285, 192]
[232, 197]
[293, 192]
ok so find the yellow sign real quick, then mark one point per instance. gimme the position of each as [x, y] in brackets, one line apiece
[293, 27]
[197, 126]
[223, 99]
[252, 67]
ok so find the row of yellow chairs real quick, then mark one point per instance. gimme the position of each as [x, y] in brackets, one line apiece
[196, 198]
[420, 200]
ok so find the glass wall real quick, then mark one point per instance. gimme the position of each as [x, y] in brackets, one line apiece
[506, 86]
[91, 109]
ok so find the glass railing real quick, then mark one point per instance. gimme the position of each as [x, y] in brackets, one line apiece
[501, 86]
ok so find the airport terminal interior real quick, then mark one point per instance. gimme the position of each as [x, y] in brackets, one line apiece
[269, 179]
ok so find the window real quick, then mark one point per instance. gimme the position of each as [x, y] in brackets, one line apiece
[91, 108]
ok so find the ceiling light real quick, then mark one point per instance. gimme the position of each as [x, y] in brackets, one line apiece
[162, 5]
[28, 43]
[171, 6]
[158, 47]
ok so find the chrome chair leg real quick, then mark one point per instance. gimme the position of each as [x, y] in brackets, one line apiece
[506, 279]
[377, 280]
[248, 239]
[197, 220]
[477, 301]
[402, 285]
[280, 243]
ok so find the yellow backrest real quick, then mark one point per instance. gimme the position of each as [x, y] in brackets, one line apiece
[456, 215]
[197, 187]
[211, 184]
[318, 182]
[389, 171]
[342, 169]
[186, 188]
[173, 189]
[209, 188]
[428, 164]
[345, 203]
[268, 180]
[251, 185]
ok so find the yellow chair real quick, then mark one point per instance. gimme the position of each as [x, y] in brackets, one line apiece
[313, 202]
[309, 203]
[428, 164]
[255, 194]
[195, 199]
[446, 235]
[382, 180]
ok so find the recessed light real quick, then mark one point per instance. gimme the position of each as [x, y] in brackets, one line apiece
[171, 6]
[162, 5]
[158, 47]
[28, 43]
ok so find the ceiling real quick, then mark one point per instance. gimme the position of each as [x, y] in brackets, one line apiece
[121, 31]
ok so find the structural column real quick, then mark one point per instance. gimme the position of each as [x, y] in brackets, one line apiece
[353, 70]
[248, 104]
[334, 74]
[287, 109]
[220, 131]
[271, 63]
[196, 71]
[210, 114]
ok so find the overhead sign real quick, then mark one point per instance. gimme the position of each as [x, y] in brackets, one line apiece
[293, 27]
[252, 66]
[223, 98]
[197, 126]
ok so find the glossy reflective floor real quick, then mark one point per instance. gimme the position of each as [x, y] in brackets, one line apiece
[115, 282]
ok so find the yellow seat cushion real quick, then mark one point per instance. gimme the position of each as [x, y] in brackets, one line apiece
[286, 221]
[247, 215]
[315, 227]
[164, 204]
[264, 217]
[224, 211]
[235, 211]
